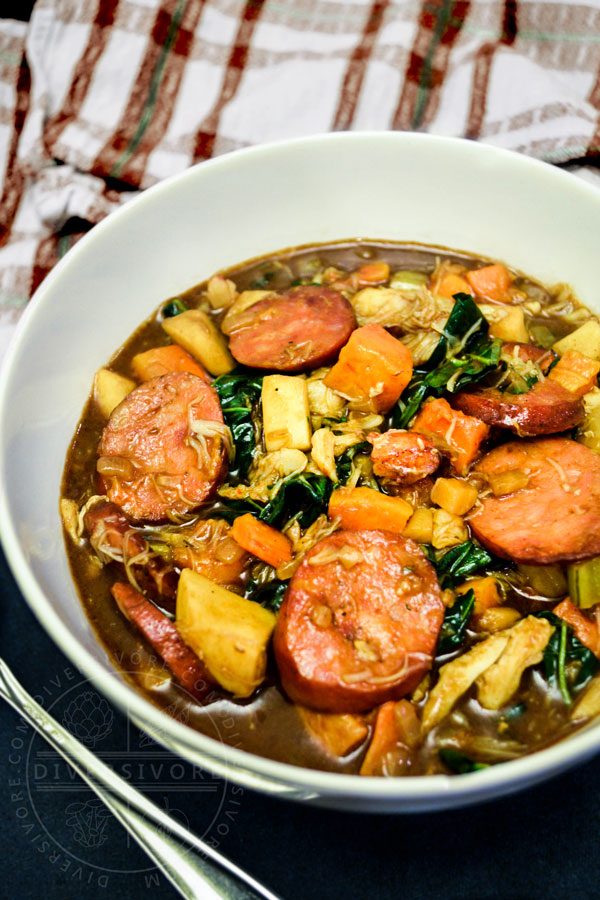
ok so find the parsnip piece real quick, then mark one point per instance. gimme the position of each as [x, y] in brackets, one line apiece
[322, 452]
[457, 676]
[196, 333]
[588, 704]
[585, 340]
[338, 734]
[229, 633]
[110, 389]
[506, 322]
[242, 302]
[286, 415]
[525, 647]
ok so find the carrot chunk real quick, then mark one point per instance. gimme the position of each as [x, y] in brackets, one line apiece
[451, 284]
[491, 282]
[395, 736]
[365, 508]
[373, 367]
[576, 373]
[453, 433]
[262, 540]
[485, 590]
[584, 629]
[162, 360]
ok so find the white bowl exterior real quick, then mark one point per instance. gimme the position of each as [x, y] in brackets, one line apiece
[392, 186]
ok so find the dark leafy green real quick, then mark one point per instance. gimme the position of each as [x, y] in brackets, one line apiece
[455, 564]
[460, 763]
[238, 392]
[269, 594]
[456, 620]
[263, 281]
[343, 463]
[563, 648]
[303, 497]
[173, 308]
[464, 354]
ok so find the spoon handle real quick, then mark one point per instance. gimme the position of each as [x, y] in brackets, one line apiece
[194, 868]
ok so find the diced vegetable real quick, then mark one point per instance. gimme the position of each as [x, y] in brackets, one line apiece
[286, 414]
[451, 284]
[397, 732]
[548, 581]
[364, 508]
[322, 452]
[263, 541]
[485, 590]
[337, 733]
[229, 633]
[508, 482]
[585, 630]
[491, 282]
[420, 526]
[454, 433]
[221, 292]
[496, 618]
[373, 369]
[576, 373]
[199, 335]
[588, 704]
[454, 496]
[408, 280]
[110, 389]
[448, 529]
[372, 273]
[585, 340]
[506, 322]
[243, 301]
[584, 582]
[162, 360]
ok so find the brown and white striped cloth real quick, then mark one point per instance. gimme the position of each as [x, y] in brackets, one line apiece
[102, 98]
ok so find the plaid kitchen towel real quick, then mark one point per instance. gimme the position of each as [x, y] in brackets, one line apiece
[101, 98]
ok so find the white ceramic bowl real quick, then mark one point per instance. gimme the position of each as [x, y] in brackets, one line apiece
[397, 186]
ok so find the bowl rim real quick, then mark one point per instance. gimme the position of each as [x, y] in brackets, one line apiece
[241, 766]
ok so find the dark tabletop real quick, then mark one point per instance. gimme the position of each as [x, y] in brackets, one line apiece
[57, 843]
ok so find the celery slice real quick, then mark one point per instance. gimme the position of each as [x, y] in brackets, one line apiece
[584, 582]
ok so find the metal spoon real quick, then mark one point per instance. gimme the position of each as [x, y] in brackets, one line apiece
[196, 870]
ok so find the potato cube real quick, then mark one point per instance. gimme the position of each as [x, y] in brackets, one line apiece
[229, 633]
[506, 322]
[585, 340]
[196, 333]
[286, 413]
[420, 526]
[110, 389]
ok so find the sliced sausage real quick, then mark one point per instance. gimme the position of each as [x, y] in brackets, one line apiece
[556, 517]
[403, 455]
[300, 329]
[163, 450]
[162, 634]
[546, 409]
[359, 622]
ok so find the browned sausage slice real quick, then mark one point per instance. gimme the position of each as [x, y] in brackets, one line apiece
[300, 329]
[546, 409]
[556, 517]
[359, 622]
[163, 450]
[403, 455]
[162, 634]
